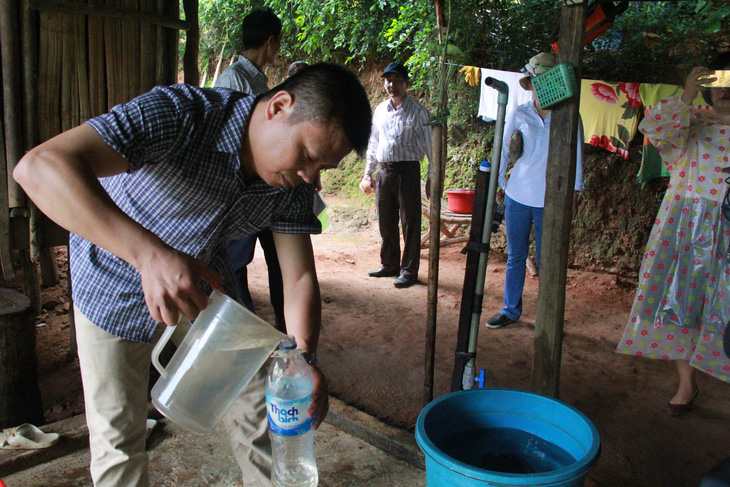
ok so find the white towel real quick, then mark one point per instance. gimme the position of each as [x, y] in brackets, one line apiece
[488, 98]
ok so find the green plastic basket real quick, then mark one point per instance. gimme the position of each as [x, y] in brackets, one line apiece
[555, 85]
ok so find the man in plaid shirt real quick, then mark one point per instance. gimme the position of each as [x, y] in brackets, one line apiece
[151, 192]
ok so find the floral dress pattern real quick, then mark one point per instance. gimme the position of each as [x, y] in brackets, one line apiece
[682, 304]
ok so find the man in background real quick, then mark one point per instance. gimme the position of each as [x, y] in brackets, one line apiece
[399, 140]
[261, 41]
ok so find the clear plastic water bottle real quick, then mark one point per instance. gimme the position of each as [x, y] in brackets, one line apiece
[289, 386]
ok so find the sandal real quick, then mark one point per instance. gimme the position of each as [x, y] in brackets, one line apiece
[27, 437]
[682, 409]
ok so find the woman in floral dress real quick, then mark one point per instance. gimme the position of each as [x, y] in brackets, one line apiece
[682, 304]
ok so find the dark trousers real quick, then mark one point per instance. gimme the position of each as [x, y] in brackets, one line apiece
[241, 253]
[398, 196]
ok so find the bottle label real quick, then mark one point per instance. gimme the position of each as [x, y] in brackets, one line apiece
[288, 417]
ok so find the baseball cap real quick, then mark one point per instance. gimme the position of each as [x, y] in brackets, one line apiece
[397, 68]
[538, 64]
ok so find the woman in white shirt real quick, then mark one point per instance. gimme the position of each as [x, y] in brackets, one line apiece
[525, 189]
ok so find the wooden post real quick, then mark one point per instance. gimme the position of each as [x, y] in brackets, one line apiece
[20, 398]
[168, 46]
[12, 103]
[192, 41]
[560, 183]
[11, 146]
[148, 47]
[438, 151]
[433, 262]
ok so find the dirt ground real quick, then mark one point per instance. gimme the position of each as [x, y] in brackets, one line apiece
[373, 346]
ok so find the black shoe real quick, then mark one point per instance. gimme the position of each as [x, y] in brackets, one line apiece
[383, 272]
[405, 281]
[499, 320]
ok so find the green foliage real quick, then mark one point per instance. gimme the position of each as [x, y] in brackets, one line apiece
[686, 33]
[650, 42]
[345, 179]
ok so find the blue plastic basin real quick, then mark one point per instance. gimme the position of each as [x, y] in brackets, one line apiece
[550, 421]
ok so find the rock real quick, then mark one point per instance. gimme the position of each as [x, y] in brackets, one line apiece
[50, 304]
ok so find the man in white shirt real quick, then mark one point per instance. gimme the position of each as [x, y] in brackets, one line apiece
[261, 42]
[399, 140]
[525, 190]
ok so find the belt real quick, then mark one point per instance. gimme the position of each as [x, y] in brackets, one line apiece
[396, 165]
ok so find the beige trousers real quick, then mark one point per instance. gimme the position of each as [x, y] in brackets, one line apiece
[115, 376]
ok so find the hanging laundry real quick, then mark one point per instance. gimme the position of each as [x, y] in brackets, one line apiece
[610, 113]
[651, 162]
[471, 74]
[488, 98]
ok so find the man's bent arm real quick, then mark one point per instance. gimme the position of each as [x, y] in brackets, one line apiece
[303, 308]
[302, 305]
[61, 177]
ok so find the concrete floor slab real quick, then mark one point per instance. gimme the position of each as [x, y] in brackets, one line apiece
[180, 458]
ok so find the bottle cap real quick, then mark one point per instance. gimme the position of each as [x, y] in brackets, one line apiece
[485, 166]
[288, 343]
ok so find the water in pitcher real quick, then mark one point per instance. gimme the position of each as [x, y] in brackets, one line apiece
[214, 375]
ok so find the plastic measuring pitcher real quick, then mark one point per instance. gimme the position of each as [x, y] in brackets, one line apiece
[225, 347]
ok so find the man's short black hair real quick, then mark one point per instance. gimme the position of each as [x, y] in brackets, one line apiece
[258, 26]
[295, 67]
[325, 93]
[722, 61]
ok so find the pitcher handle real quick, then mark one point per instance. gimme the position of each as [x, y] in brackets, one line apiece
[157, 350]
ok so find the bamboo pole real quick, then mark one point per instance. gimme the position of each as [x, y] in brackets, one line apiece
[111, 43]
[170, 48]
[159, 45]
[108, 11]
[30, 50]
[434, 244]
[218, 65]
[97, 64]
[82, 68]
[167, 45]
[438, 151]
[12, 75]
[5, 256]
[147, 49]
[192, 41]
[131, 55]
[69, 87]
[558, 213]
[49, 72]
[29, 29]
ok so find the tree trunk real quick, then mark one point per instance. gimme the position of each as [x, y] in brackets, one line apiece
[20, 398]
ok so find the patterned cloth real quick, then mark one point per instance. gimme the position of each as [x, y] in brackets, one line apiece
[682, 304]
[651, 161]
[610, 113]
[399, 134]
[184, 185]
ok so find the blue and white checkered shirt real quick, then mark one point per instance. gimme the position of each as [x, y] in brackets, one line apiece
[184, 185]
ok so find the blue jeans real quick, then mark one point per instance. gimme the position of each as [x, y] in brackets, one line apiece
[518, 220]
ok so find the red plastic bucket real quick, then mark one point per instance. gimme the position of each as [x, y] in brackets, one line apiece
[460, 200]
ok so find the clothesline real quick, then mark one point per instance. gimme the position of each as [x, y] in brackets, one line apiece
[656, 65]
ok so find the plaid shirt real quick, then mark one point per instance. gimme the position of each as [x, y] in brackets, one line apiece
[184, 185]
